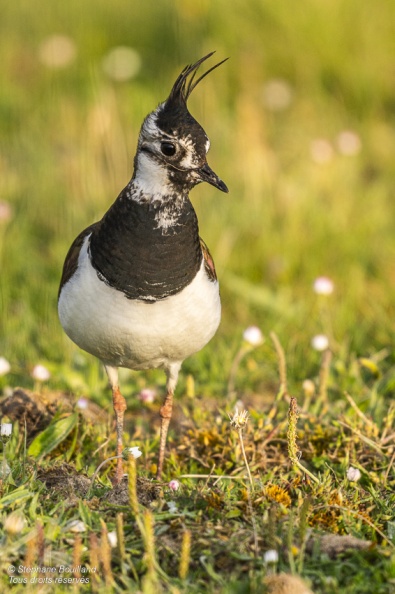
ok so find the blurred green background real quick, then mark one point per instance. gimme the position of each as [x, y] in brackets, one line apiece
[301, 122]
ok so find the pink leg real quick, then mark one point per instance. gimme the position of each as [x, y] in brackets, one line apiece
[119, 404]
[165, 413]
[119, 408]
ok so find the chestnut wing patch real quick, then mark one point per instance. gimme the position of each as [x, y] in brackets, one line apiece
[208, 261]
[71, 261]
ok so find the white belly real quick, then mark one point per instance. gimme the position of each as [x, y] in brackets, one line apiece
[134, 334]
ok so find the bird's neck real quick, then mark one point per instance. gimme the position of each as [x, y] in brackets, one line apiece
[155, 182]
[150, 179]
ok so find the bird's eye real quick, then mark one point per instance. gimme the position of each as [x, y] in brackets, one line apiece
[168, 149]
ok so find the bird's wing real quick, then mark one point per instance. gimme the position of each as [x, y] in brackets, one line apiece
[71, 261]
[208, 261]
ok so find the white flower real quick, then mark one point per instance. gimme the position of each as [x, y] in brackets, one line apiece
[239, 419]
[5, 367]
[135, 452]
[253, 335]
[321, 151]
[57, 51]
[320, 342]
[147, 395]
[323, 285]
[40, 373]
[308, 387]
[112, 539]
[174, 485]
[76, 526]
[172, 507]
[14, 523]
[5, 429]
[270, 556]
[5, 211]
[82, 403]
[348, 143]
[122, 63]
[277, 94]
[353, 474]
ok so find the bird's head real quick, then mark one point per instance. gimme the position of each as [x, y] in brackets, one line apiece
[172, 145]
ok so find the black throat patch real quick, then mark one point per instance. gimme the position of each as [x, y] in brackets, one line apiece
[134, 254]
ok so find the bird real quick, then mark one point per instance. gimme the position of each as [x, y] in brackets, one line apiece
[139, 289]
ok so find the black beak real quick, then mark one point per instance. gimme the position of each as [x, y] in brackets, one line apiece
[206, 174]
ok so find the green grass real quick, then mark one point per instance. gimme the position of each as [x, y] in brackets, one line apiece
[67, 139]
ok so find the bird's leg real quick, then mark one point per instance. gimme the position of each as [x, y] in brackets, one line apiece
[119, 404]
[165, 413]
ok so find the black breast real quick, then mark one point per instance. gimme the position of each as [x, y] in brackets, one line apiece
[131, 253]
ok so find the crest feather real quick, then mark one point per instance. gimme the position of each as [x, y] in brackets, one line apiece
[184, 86]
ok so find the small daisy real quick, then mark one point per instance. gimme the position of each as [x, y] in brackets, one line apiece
[323, 285]
[277, 94]
[112, 539]
[5, 366]
[6, 211]
[320, 342]
[76, 526]
[122, 63]
[174, 485]
[270, 556]
[308, 387]
[135, 452]
[40, 373]
[147, 395]
[321, 151]
[82, 403]
[57, 51]
[253, 336]
[353, 474]
[348, 143]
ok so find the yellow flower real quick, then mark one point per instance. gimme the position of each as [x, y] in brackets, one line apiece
[278, 494]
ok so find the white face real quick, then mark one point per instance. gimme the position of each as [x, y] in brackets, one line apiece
[152, 177]
[171, 157]
[180, 152]
[191, 159]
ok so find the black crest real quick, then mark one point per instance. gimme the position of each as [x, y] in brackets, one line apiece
[185, 83]
[173, 114]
